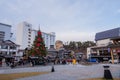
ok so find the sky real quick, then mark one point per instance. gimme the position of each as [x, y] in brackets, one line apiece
[71, 20]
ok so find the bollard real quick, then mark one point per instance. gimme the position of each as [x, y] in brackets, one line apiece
[52, 70]
[107, 73]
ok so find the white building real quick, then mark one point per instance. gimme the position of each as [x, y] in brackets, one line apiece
[5, 32]
[23, 35]
[26, 35]
[8, 47]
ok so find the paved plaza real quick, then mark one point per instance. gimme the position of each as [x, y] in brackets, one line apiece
[66, 72]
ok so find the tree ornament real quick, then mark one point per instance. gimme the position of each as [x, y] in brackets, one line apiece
[39, 33]
[38, 44]
[39, 39]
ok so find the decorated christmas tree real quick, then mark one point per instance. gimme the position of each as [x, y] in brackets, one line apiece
[38, 49]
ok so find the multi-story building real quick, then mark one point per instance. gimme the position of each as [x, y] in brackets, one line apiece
[26, 36]
[107, 45]
[23, 35]
[7, 47]
[5, 32]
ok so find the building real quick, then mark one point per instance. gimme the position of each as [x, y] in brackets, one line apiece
[107, 45]
[107, 37]
[23, 35]
[5, 32]
[7, 47]
[26, 35]
[52, 52]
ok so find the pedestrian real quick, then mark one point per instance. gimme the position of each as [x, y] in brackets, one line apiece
[12, 63]
[73, 61]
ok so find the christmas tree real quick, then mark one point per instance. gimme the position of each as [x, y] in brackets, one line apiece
[38, 49]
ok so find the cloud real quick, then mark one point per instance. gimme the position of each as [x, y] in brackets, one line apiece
[118, 11]
[70, 19]
[54, 16]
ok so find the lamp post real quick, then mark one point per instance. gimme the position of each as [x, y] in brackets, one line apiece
[111, 53]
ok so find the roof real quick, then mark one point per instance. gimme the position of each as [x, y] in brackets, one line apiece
[112, 33]
[52, 49]
[8, 42]
[114, 45]
[5, 24]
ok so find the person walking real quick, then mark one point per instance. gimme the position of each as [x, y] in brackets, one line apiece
[73, 61]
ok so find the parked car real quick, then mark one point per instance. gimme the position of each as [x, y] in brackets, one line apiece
[116, 61]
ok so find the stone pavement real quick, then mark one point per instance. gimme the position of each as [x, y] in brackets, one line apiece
[67, 72]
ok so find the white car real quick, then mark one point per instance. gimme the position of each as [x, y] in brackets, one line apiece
[116, 61]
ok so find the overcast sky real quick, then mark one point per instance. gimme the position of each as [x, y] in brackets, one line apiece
[71, 20]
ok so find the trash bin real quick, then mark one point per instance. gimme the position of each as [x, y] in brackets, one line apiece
[107, 73]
